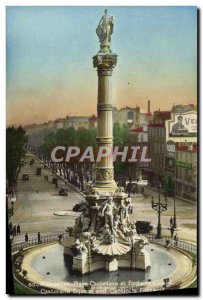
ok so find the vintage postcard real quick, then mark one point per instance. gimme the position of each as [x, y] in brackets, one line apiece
[101, 145]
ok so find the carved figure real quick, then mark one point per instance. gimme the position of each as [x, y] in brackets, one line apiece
[108, 211]
[81, 248]
[105, 28]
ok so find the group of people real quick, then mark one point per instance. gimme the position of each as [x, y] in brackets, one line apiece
[14, 229]
[38, 237]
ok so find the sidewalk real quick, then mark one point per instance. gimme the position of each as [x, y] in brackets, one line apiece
[177, 197]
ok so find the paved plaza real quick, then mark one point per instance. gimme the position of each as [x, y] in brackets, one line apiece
[38, 200]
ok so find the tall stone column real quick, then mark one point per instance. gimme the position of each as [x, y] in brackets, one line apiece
[105, 62]
[104, 237]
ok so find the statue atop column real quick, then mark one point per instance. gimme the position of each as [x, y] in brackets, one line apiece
[104, 31]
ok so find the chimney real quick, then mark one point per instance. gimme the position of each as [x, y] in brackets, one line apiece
[148, 106]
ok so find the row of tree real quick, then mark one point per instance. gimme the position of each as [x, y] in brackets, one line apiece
[16, 147]
[77, 172]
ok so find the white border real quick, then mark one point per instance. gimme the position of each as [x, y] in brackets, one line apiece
[5, 3]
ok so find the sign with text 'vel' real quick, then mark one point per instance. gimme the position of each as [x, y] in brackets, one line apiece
[183, 124]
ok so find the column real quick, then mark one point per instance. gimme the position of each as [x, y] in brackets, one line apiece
[104, 168]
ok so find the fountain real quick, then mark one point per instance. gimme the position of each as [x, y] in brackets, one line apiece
[104, 237]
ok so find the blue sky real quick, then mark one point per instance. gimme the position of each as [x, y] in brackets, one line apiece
[49, 59]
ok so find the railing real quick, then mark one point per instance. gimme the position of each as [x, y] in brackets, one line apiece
[55, 237]
[44, 239]
[171, 242]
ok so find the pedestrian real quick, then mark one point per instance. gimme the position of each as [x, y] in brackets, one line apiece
[26, 237]
[14, 230]
[172, 231]
[18, 229]
[176, 239]
[60, 237]
[10, 227]
[38, 238]
[171, 222]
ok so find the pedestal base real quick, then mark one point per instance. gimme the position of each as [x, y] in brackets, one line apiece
[142, 261]
[112, 265]
[85, 264]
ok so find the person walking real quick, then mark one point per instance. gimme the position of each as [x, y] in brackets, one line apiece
[26, 237]
[176, 239]
[14, 230]
[38, 238]
[10, 227]
[60, 237]
[18, 229]
[172, 231]
[13, 233]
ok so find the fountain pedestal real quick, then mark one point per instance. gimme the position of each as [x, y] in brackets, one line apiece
[105, 238]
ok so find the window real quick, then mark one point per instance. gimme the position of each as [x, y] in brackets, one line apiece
[131, 115]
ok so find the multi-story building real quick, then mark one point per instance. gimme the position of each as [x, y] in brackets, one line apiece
[186, 170]
[133, 117]
[141, 133]
[156, 143]
[172, 157]
[76, 122]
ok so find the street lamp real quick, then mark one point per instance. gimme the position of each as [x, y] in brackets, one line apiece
[174, 214]
[159, 207]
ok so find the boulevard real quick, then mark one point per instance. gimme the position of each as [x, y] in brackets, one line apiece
[38, 200]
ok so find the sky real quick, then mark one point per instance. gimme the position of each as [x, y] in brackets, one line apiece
[49, 54]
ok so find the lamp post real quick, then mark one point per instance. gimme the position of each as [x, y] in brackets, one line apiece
[174, 213]
[159, 207]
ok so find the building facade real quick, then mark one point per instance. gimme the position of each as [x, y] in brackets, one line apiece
[133, 117]
[156, 144]
[76, 122]
[186, 170]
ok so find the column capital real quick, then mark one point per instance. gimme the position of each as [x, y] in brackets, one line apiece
[104, 63]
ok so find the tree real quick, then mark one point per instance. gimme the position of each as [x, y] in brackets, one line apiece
[48, 144]
[71, 137]
[16, 147]
[85, 138]
[122, 137]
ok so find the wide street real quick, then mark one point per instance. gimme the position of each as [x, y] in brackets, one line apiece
[38, 200]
